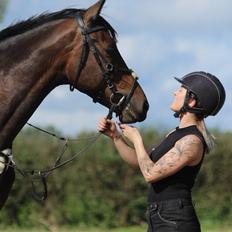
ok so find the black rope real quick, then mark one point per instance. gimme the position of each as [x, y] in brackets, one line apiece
[33, 175]
[58, 137]
[42, 175]
[59, 165]
[45, 131]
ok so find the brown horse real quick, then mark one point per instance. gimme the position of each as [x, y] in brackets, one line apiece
[75, 47]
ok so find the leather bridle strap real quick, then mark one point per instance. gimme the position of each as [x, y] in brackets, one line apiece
[85, 48]
[106, 69]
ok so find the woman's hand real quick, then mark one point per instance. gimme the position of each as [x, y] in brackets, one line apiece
[131, 132]
[108, 127]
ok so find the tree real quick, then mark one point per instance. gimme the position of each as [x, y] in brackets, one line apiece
[3, 4]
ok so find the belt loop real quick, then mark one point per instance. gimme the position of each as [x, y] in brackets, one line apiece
[180, 202]
[153, 206]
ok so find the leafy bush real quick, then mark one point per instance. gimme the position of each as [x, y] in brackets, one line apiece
[99, 189]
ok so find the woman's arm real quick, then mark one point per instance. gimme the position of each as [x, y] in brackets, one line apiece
[186, 152]
[127, 153]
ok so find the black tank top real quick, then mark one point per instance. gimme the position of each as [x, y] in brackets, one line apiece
[178, 185]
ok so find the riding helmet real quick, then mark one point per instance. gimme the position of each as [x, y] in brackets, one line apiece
[208, 91]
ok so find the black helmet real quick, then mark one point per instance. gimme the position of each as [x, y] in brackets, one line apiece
[208, 90]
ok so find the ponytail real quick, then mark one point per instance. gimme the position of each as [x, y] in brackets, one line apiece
[209, 138]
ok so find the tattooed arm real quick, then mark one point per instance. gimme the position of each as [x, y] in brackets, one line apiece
[186, 152]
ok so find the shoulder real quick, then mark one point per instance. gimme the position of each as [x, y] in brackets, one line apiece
[191, 147]
[190, 140]
[170, 132]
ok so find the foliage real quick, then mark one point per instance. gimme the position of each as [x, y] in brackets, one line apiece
[213, 189]
[3, 4]
[99, 189]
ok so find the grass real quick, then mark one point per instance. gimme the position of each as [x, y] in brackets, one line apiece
[205, 228]
[129, 229]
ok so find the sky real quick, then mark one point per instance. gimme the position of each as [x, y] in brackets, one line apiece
[159, 40]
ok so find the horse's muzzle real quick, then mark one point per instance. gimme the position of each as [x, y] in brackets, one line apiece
[132, 114]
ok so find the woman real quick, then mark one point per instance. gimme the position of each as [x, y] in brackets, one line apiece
[172, 166]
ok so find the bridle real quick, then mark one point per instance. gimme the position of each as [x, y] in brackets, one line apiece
[118, 101]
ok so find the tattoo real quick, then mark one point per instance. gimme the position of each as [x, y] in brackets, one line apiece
[185, 149]
[186, 145]
[146, 166]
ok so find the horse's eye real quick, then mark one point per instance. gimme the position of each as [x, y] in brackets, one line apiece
[110, 51]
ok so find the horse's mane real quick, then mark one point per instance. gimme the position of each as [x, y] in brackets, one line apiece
[38, 20]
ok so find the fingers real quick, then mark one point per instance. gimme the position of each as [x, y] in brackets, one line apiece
[104, 124]
[125, 127]
[122, 126]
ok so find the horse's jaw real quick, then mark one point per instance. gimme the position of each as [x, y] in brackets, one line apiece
[129, 116]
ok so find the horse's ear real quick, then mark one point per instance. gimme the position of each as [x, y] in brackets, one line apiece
[93, 11]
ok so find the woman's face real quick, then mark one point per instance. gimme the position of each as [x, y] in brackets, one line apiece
[179, 96]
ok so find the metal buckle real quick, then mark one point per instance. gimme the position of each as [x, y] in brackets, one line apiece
[133, 74]
[109, 67]
[117, 98]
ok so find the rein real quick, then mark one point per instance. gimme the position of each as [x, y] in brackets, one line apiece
[42, 175]
[118, 101]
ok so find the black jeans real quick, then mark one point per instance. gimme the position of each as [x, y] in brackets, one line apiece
[172, 216]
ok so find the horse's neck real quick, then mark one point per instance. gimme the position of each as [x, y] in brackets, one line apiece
[28, 78]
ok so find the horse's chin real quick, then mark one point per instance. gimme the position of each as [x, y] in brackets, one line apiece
[129, 117]
[126, 119]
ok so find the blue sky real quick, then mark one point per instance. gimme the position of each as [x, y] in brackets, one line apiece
[159, 40]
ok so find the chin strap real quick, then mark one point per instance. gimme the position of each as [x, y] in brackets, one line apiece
[185, 108]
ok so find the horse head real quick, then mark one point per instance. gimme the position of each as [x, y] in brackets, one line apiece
[75, 47]
[101, 72]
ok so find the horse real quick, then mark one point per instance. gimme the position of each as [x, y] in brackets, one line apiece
[75, 47]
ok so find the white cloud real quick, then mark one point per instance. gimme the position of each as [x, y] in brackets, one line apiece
[145, 51]
[69, 123]
[176, 17]
[159, 39]
[59, 92]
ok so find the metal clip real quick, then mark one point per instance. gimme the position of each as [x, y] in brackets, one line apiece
[133, 74]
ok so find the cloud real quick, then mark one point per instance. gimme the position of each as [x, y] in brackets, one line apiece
[143, 51]
[69, 123]
[59, 92]
[194, 16]
[159, 39]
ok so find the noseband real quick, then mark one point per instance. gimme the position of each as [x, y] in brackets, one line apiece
[118, 100]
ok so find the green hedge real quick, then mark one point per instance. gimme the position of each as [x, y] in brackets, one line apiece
[99, 189]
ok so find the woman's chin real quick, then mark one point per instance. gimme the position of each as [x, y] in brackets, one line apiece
[172, 108]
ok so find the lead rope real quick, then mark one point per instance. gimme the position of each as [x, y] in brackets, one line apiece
[42, 175]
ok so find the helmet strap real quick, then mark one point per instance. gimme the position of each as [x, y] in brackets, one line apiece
[185, 108]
